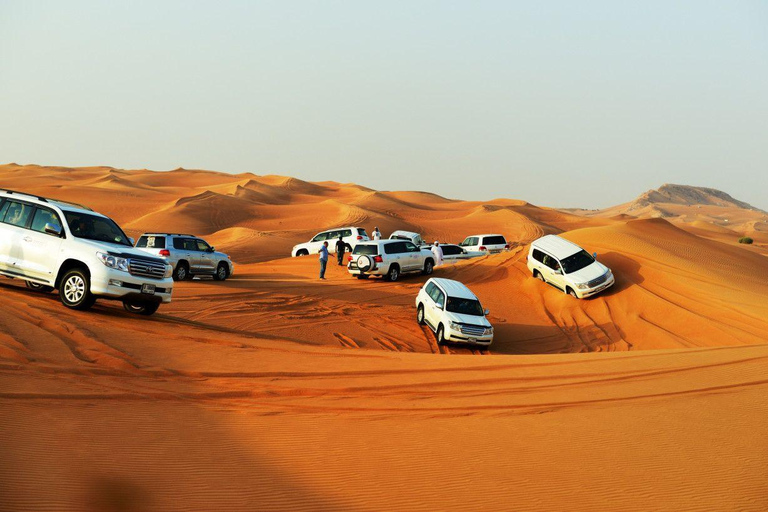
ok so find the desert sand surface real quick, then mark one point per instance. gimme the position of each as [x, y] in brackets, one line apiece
[275, 391]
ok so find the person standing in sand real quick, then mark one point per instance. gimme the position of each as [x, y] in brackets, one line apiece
[323, 259]
[438, 252]
[341, 248]
[376, 233]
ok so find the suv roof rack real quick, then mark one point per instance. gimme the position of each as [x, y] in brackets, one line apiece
[45, 199]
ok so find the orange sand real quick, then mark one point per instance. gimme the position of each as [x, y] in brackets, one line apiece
[273, 391]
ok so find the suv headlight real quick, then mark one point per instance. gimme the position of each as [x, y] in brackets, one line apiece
[488, 330]
[455, 326]
[583, 286]
[114, 262]
[168, 270]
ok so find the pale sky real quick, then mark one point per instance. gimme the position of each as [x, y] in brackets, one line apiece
[558, 103]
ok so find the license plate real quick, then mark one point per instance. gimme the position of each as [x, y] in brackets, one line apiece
[353, 266]
[149, 289]
[472, 340]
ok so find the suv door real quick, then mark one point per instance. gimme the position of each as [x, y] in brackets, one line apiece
[41, 249]
[395, 252]
[181, 251]
[316, 243]
[6, 232]
[413, 256]
[193, 255]
[17, 216]
[554, 272]
[436, 307]
[205, 256]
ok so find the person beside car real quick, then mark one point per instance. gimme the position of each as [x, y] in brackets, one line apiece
[341, 248]
[376, 235]
[438, 252]
[323, 259]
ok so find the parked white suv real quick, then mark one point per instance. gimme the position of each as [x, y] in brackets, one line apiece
[489, 244]
[453, 313]
[568, 267]
[53, 244]
[389, 259]
[189, 255]
[350, 235]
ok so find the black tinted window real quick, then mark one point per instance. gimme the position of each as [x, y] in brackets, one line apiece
[430, 289]
[365, 249]
[395, 248]
[411, 247]
[346, 233]
[551, 262]
[494, 240]
[178, 243]
[18, 214]
[3, 208]
[361, 232]
[152, 242]
[538, 255]
[450, 250]
[464, 306]
[42, 217]
[202, 246]
[190, 245]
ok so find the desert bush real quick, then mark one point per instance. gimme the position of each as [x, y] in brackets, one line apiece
[745, 240]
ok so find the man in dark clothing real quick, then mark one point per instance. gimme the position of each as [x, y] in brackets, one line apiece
[341, 247]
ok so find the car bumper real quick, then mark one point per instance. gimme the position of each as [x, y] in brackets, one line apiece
[375, 271]
[583, 294]
[122, 285]
[457, 336]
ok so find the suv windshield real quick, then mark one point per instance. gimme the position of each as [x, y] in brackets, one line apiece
[464, 306]
[366, 249]
[93, 227]
[577, 262]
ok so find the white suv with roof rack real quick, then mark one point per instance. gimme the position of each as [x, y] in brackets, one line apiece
[53, 244]
[489, 244]
[568, 267]
[189, 255]
[453, 313]
[350, 235]
[389, 259]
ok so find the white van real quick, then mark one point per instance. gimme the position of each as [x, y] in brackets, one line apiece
[489, 244]
[453, 313]
[568, 267]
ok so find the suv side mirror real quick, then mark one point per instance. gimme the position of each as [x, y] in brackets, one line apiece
[594, 255]
[211, 248]
[559, 272]
[52, 229]
[439, 305]
[487, 312]
[133, 242]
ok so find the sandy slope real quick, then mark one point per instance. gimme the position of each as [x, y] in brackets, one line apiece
[274, 391]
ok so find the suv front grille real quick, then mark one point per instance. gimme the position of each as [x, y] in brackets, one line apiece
[146, 268]
[472, 330]
[598, 281]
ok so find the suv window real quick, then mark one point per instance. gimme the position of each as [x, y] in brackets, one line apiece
[189, 244]
[320, 237]
[430, 289]
[153, 242]
[551, 262]
[411, 247]
[438, 296]
[42, 217]
[450, 250]
[538, 255]
[366, 249]
[202, 245]
[18, 214]
[346, 233]
[178, 243]
[361, 232]
[395, 248]
[494, 240]
[3, 209]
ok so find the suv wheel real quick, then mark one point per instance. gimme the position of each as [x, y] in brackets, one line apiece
[140, 307]
[538, 275]
[302, 252]
[221, 272]
[75, 290]
[428, 267]
[39, 287]
[572, 293]
[440, 334]
[181, 272]
[420, 314]
[394, 273]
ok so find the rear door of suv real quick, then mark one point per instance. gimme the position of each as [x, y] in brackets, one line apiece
[13, 229]
[41, 249]
[205, 258]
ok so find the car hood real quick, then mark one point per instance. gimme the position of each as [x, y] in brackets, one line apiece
[220, 255]
[467, 319]
[122, 251]
[588, 273]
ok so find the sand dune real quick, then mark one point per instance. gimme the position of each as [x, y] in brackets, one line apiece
[275, 391]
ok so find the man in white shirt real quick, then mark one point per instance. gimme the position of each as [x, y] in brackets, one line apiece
[376, 234]
[438, 253]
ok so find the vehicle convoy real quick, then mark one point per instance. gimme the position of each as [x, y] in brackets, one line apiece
[488, 244]
[389, 259]
[189, 255]
[53, 244]
[350, 235]
[568, 267]
[453, 313]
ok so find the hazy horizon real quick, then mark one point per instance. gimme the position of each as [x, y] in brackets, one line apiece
[567, 105]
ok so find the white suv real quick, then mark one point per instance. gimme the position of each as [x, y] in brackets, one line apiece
[53, 244]
[350, 235]
[189, 255]
[489, 244]
[453, 313]
[389, 259]
[568, 267]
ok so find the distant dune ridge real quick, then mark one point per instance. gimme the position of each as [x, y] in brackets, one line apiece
[276, 391]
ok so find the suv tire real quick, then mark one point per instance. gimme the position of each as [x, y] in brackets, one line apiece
[140, 307]
[221, 272]
[420, 314]
[429, 266]
[181, 272]
[302, 252]
[572, 293]
[440, 334]
[75, 290]
[394, 273]
[39, 287]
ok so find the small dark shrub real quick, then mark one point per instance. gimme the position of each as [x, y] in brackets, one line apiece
[745, 240]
